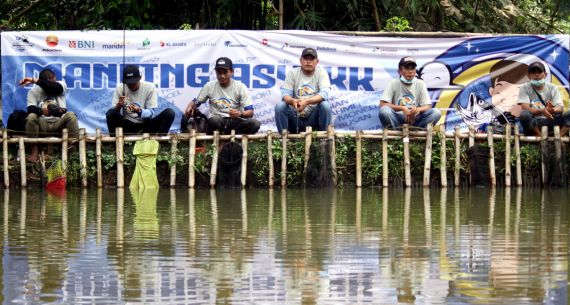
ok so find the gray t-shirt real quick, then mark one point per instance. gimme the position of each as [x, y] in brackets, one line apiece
[146, 97]
[38, 97]
[222, 99]
[549, 93]
[298, 85]
[415, 94]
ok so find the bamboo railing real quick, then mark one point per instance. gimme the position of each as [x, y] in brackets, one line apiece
[384, 138]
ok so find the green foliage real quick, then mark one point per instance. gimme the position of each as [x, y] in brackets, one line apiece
[397, 24]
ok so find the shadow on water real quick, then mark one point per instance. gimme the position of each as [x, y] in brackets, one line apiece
[305, 246]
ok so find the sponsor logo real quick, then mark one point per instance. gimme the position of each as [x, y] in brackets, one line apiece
[113, 46]
[413, 51]
[230, 44]
[82, 44]
[326, 49]
[145, 44]
[200, 44]
[172, 44]
[265, 42]
[287, 45]
[22, 43]
[51, 41]
[384, 50]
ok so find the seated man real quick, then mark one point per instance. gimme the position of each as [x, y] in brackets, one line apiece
[230, 105]
[541, 103]
[134, 106]
[47, 111]
[304, 97]
[406, 99]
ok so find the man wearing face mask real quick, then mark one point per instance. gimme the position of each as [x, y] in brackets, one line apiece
[406, 100]
[541, 103]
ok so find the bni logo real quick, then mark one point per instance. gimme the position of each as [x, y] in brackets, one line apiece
[81, 44]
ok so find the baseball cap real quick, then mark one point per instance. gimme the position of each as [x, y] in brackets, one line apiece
[309, 51]
[224, 63]
[536, 66]
[407, 60]
[131, 74]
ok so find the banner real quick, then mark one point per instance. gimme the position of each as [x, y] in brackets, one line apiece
[471, 79]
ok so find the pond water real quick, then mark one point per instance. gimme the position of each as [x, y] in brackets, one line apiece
[317, 246]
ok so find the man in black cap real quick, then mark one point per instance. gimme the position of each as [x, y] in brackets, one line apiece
[406, 99]
[231, 108]
[304, 97]
[541, 103]
[135, 103]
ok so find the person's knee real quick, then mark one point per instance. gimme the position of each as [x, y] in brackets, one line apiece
[281, 107]
[215, 122]
[325, 106]
[385, 112]
[32, 117]
[254, 126]
[168, 113]
[526, 116]
[435, 115]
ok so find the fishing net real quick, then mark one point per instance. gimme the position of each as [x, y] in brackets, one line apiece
[319, 168]
[56, 180]
[229, 164]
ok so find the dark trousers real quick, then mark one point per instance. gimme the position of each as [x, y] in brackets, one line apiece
[159, 124]
[226, 125]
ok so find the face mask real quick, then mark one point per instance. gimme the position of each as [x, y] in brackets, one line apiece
[537, 82]
[405, 80]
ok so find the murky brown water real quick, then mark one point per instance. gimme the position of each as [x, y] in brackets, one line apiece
[295, 247]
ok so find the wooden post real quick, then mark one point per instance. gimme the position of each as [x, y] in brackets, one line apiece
[385, 157]
[232, 135]
[64, 145]
[308, 141]
[244, 160]
[491, 156]
[457, 170]
[406, 141]
[214, 169]
[5, 159]
[358, 159]
[83, 157]
[427, 157]
[173, 155]
[98, 153]
[271, 179]
[22, 151]
[443, 158]
[119, 143]
[518, 154]
[330, 134]
[508, 155]
[284, 158]
[192, 159]
[543, 152]
[471, 136]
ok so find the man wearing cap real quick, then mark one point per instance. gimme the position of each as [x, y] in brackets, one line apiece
[304, 97]
[47, 109]
[541, 103]
[231, 107]
[406, 100]
[135, 103]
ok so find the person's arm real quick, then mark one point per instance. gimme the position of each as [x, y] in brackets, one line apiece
[150, 104]
[524, 102]
[51, 88]
[423, 98]
[557, 101]
[245, 102]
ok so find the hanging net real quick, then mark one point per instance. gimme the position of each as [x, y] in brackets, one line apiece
[56, 180]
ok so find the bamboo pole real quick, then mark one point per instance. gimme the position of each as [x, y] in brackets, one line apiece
[5, 158]
[385, 158]
[471, 136]
[271, 180]
[406, 141]
[232, 135]
[456, 172]
[64, 146]
[214, 168]
[82, 157]
[330, 136]
[508, 155]
[443, 157]
[120, 157]
[543, 152]
[192, 159]
[173, 154]
[518, 154]
[558, 150]
[284, 158]
[244, 161]
[98, 153]
[22, 150]
[491, 156]
[308, 141]
[427, 158]
[358, 159]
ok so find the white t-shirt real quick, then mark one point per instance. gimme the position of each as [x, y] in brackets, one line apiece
[38, 97]
[222, 99]
[298, 85]
[415, 94]
[548, 93]
[146, 97]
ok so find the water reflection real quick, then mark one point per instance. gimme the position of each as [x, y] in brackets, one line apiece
[384, 246]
